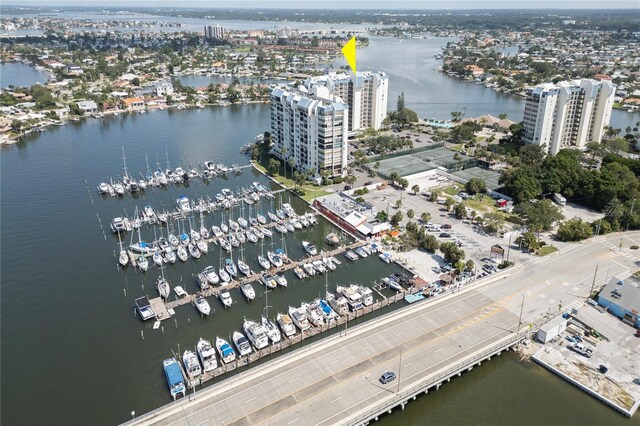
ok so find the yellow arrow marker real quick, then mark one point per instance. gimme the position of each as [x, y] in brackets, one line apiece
[349, 52]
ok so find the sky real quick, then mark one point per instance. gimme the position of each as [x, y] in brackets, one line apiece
[341, 4]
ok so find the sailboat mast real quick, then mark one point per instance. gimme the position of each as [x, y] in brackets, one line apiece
[124, 161]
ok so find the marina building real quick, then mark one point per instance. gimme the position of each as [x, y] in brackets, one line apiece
[309, 130]
[621, 297]
[214, 31]
[568, 114]
[366, 93]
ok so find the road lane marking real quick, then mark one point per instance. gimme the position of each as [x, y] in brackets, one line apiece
[336, 399]
[294, 420]
[468, 336]
[439, 350]
[252, 399]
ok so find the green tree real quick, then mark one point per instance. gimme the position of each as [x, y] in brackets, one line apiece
[503, 116]
[469, 265]
[396, 218]
[415, 188]
[273, 166]
[74, 109]
[540, 216]
[531, 156]
[16, 126]
[493, 221]
[382, 216]
[430, 243]
[617, 145]
[476, 186]
[574, 230]
[135, 81]
[451, 252]
[403, 183]
[456, 116]
[614, 210]
[411, 213]
[529, 241]
[460, 210]
[448, 203]
[400, 104]
[522, 184]
[425, 217]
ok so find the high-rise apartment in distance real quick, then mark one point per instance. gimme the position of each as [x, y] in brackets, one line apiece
[309, 130]
[214, 31]
[366, 94]
[568, 114]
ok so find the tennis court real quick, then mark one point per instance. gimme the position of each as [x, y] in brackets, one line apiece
[422, 161]
[489, 176]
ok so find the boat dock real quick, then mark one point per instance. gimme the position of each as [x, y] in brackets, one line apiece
[214, 291]
[287, 342]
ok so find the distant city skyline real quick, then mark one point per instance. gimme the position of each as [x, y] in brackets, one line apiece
[336, 4]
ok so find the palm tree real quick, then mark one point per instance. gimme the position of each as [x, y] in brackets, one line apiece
[415, 188]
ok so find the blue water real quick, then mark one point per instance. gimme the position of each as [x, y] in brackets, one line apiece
[19, 74]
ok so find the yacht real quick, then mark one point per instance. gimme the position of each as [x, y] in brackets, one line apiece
[224, 276]
[184, 238]
[313, 313]
[286, 325]
[385, 257]
[148, 211]
[256, 333]
[288, 209]
[329, 263]
[392, 283]
[119, 188]
[289, 226]
[242, 343]
[351, 256]
[309, 269]
[203, 306]
[365, 292]
[191, 364]
[161, 178]
[183, 204]
[269, 281]
[295, 223]
[118, 225]
[265, 232]
[354, 299]
[226, 299]
[244, 268]
[175, 380]
[281, 279]
[319, 266]
[330, 316]
[252, 237]
[207, 355]
[224, 228]
[103, 188]
[332, 239]
[338, 303]
[299, 318]
[272, 331]
[225, 244]
[309, 248]
[210, 274]
[143, 308]
[228, 194]
[143, 247]
[204, 232]
[143, 263]
[241, 237]
[299, 272]
[231, 268]
[248, 291]
[360, 251]
[281, 214]
[225, 350]
[163, 287]
[264, 262]
[142, 184]
[303, 220]
[195, 236]
[233, 225]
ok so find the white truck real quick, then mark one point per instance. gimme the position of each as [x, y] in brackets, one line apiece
[582, 350]
[558, 198]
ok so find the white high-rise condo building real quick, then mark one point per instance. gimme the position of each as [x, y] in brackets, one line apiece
[309, 130]
[366, 94]
[214, 31]
[568, 114]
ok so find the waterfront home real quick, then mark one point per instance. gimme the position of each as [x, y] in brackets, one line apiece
[163, 88]
[88, 107]
[133, 103]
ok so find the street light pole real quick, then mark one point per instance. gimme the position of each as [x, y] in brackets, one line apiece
[594, 281]
[521, 309]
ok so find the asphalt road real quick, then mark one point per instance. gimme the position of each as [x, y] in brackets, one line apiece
[334, 379]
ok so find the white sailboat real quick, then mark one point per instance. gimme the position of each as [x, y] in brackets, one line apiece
[163, 286]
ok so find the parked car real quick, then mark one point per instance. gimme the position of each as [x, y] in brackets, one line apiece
[387, 377]
[369, 182]
[446, 226]
[347, 187]
[582, 350]
[445, 235]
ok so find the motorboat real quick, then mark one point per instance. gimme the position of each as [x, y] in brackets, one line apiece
[203, 306]
[309, 269]
[182, 254]
[248, 291]
[332, 239]
[118, 225]
[330, 316]
[161, 178]
[143, 308]
[269, 281]
[256, 333]
[163, 287]
[338, 303]
[142, 184]
[309, 248]
[228, 194]
[148, 211]
[231, 267]
[225, 298]
[191, 364]
[242, 343]
[143, 248]
[299, 272]
[157, 259]
[385, 257]
[260, 233]
[226, 352]
[274, 259]
[194, 251]
[299, 318]
[303, 220]
[354, 299]
[314, 314]
[328, 262]
[288, 210]
[119, 188]
[351, 255]
[174, 377]
[311, 218]
[184, 238]
[142, 263]
[281, 279]
[103, 188]
[207, 355]
[264, 262]
[392, 283]
[286, 325]
[365, 292]
[244, 268]
[183, 204]
[180, 292]
[281, 215]
[224, 275]
[318, 265]
[295, 223]
[362, 252]
[211, 276]
[203, 246]
[272, 331]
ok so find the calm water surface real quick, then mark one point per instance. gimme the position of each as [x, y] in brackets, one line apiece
[18, 74]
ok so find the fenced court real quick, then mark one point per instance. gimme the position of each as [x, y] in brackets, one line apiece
[489, 176]
[423, 160]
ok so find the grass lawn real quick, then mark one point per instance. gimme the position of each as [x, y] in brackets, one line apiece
[457, 147]
[543, 251]
[311, 191]
[452, 190]
[487, 204]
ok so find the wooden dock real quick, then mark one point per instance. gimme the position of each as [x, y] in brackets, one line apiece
[214, 291]
[299, 337]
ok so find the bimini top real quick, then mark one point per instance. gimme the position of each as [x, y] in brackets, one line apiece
[172, 370]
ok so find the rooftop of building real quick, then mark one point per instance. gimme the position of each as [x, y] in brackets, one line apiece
[624, 293]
